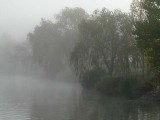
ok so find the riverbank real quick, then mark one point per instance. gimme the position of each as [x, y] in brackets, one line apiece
[151, 96]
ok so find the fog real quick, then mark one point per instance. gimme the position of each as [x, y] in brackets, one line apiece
[72, 60]
[18, 17]
[26, 92]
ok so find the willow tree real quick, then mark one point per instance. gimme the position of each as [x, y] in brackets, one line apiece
[105, 43]
[52, 41]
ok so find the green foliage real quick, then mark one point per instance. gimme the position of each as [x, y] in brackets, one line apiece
[115, 86]
[148, 33]
[106, 42]
[99, 47]
[90, 78]
[106, 55]
[128, 86]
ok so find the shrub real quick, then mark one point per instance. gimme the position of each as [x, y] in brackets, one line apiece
[130, 86]
[90, 78]
[119, 86]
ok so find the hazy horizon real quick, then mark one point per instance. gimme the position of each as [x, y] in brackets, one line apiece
[18, 17]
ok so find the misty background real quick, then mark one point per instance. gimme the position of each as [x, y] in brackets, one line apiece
[18, 17]
[73, 60]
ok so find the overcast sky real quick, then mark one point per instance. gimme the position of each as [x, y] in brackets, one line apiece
[18, 17]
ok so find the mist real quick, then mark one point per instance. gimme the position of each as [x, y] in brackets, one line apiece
[25, 87]
[79, 60]
[18, 17]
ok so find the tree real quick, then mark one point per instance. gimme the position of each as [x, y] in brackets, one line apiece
[68, 20]
[45, 42]
[104, 43]
[147, 31]
[52, 42]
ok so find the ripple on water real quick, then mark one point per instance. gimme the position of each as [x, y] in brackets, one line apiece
[11, 111]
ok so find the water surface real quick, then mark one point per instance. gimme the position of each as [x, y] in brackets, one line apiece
[28, 98]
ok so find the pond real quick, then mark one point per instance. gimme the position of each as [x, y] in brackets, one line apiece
[24, 98]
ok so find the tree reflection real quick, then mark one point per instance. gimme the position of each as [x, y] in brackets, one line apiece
[73, 105]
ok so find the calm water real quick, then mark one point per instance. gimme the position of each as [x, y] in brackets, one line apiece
[39, 99]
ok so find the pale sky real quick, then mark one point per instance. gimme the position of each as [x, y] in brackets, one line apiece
[18, 17]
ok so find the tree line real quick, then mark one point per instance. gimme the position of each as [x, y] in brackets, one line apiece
[111, 51]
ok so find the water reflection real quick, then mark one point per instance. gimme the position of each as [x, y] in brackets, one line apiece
[58, 102]
[35, 99]
[71, 105]
[96, 108]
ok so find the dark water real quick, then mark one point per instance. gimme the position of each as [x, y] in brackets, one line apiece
[24, 98]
